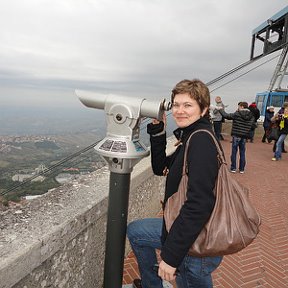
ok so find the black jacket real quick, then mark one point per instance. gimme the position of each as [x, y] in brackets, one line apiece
[242, 122]
[256, 112]
[267, 119]
[283, 130]
[202, 172]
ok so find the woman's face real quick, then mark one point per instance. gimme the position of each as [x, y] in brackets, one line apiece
[185, 110]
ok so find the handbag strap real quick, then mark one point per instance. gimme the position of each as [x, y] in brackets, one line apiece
[221, 156]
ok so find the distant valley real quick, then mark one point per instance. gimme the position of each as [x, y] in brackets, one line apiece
[21, 157]
[29, 140]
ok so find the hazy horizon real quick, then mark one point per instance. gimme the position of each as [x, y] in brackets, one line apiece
[44, 121]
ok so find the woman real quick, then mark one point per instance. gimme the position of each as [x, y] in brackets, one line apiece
[190, 108]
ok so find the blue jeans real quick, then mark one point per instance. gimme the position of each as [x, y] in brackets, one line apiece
[279, 144]
[241, 143]
[144, 236]
[251, 134]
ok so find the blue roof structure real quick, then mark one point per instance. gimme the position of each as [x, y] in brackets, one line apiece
[275, 17]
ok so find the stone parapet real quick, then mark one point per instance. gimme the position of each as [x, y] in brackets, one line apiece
[58, 240]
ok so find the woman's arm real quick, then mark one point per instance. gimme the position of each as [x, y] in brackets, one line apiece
[158, 142]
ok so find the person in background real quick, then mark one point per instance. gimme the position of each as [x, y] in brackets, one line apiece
[267, 122]
[217, 117]
[283, 131]
[281, 111]
[241, 126]
[190, 109]
[256, 113]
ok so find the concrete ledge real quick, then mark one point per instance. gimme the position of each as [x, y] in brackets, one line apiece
[58, 240]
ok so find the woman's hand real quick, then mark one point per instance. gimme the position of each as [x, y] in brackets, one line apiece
[164, 119]
[157, 127]
[166, 272]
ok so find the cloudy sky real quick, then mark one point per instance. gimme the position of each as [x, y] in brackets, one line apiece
[139, 48]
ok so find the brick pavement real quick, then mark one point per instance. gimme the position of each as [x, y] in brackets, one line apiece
[265, 262]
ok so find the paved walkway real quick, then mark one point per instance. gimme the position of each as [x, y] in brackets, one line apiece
[265, 262]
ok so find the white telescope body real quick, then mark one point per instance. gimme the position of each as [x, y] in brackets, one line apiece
[121, 147]
[144, 107]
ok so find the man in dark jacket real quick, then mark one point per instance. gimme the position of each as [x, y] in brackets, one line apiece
[241, 126]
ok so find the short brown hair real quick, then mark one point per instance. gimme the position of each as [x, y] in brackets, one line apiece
[196, 89]
[244, 104]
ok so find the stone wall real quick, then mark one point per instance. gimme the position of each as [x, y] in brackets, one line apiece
[58, 240]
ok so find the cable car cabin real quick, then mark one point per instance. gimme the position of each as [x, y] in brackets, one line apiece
[270, 98]
[272, 34]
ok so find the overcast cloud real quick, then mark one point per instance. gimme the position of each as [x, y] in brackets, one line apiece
[140, 48]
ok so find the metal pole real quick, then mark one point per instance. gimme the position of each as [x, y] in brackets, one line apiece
[116, 229]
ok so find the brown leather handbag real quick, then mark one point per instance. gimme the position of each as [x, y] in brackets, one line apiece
[234, 222]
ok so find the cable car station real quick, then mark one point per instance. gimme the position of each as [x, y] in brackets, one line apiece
[269, 37]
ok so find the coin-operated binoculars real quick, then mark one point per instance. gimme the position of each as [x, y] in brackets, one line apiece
[122, 149]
